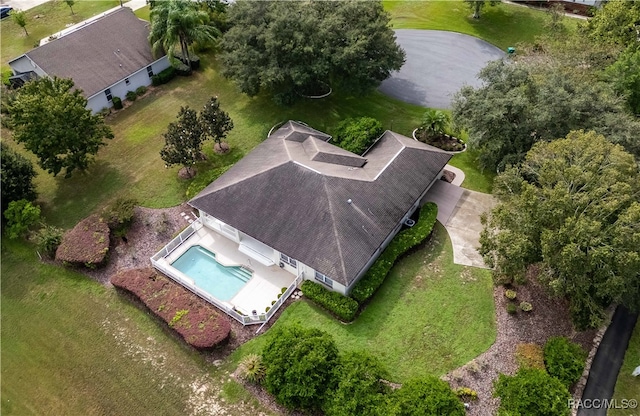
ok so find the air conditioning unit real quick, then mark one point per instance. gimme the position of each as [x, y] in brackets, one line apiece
[409, 222]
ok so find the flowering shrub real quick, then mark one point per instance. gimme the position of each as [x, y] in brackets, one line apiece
[198, 322]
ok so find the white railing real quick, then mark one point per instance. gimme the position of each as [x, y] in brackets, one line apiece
[188, 283]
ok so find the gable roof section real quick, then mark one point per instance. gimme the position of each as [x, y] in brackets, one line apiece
[278, 195]
[99, 54]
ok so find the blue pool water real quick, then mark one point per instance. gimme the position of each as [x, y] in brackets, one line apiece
[220, 281]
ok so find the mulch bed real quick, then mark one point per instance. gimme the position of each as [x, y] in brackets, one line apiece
[443, 141]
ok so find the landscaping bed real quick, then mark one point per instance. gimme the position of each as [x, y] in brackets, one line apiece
[198, 322]
[441, 141]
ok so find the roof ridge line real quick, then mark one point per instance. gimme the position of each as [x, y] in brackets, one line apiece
[335, 231]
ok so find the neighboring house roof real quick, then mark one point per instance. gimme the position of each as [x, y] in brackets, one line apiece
[100, 54]
[319, 204]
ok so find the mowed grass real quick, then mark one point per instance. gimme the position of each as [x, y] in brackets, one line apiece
[628, 386]
[429, 317]
[502, 25]
[130, 164]
[73, 347]
[42, 21]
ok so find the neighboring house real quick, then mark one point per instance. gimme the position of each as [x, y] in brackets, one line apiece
[312, 208]
[106, 58]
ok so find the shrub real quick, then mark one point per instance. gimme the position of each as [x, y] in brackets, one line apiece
[194, 60]
[530, 356]
[251, 369]
[406, 239]
[203, 180]
[512, 309]
[564, 360]
[141, 90]
[510, 294]
[435, 122]
[526, 306]
[117, 103]
[427, 396]
[17, 177]
[21, 216]
[181, 69]
[87, 243]
[343, 307]
[48, 239]
[119, 214]
[532, 392]
[203, 327]
[300, 366]
[131, 95]
[163, 77]
[357, 134]
[466, 394]
[359, 390]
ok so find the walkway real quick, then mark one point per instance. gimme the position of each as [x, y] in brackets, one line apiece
[438, 64]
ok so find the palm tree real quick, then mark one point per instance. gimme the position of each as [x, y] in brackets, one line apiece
[179, 21]
[435, 122]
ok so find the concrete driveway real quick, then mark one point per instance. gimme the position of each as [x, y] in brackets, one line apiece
[459, 211]
[438, 64]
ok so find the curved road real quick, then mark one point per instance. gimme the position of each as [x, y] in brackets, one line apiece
[438, 64]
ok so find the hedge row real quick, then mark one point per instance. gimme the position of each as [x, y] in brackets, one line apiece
[198, 322]
[164, 76]
[343, 307]
[405, 240]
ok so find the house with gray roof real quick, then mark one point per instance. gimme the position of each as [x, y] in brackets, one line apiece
[106, 58]
[300, 205]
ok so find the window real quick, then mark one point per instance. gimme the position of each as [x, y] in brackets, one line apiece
[324, 279]
[286, 259]
[150, 71]
[126, 81]
[107, 92]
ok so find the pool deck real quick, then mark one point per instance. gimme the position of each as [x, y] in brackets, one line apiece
[265, 284]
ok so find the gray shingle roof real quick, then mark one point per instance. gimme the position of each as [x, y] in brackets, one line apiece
[282, 197]
[100, 54]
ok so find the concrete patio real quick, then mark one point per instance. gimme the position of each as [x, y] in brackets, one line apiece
[266, 282]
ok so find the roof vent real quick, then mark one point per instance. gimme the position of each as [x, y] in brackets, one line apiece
[349, 201]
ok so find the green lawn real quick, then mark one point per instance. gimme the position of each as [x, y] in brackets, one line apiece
[503, 25]
[627, 386]
[130, 164]
[42, 21]
[72, 347]
[429, 317]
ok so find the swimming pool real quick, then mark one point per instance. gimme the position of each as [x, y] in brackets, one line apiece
[222, 282]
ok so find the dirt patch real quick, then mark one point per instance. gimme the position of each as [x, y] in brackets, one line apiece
[549, 317]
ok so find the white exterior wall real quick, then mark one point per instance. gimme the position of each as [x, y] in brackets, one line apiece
[139, 78]
[24, 64]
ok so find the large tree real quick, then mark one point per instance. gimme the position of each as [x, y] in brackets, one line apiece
[617, 21]
[183, 141]
[17, 175]
[293, 48]
[50, 118]
[518, 106]
[572, 208]
[478, 5]
[179, 22]
[215, 123]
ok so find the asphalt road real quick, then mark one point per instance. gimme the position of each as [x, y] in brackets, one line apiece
[438, 64]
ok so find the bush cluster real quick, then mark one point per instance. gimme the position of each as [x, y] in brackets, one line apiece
[131, 95]
[141, 90]
[426, 396]
[21, 216]
[49, 239]
[532, 392]
[197, 321]
[17, 177]
[564, 360]
[87, 243]
[194, 60]
[181, 68]
[404, 241]
[119, 215]
[163, 77]
[357, 134]
[343, 307]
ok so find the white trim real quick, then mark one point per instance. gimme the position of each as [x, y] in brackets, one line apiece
[305, 166]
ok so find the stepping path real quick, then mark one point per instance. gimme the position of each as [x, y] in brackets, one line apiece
[438, 64]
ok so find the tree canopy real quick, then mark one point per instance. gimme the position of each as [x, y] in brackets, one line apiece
[300, 366]
[426, 396]
[16, 173]
[357, 134]
[179, 22]
[478, 5]
[532, 392]
[50, 118]
[617, 21]
[289, 48]
[183, 140]
[572, 209]
[518, 106]
[215, 122]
